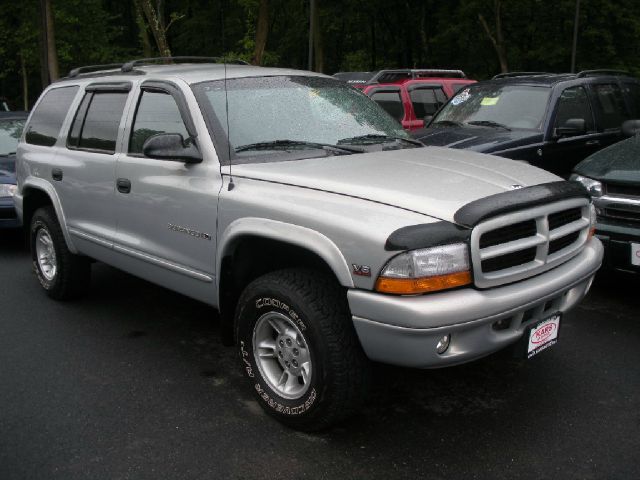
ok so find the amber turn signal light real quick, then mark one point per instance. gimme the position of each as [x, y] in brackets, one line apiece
[413, 286]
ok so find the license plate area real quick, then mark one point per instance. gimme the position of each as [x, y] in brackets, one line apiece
[542, 335]
[635, 254]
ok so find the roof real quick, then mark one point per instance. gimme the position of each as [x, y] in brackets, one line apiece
[189, 72]
[13, 115]
[398, 75]
[551, 79]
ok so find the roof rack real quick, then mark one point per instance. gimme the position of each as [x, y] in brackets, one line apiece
[129, 66]
[395, 74]
[92, 68]
[590, 73]
[519, 74]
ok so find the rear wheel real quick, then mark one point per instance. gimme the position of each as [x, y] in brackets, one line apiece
[299, 350]
[61, 273]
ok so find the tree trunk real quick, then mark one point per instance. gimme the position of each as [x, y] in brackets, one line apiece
[51, 54]
[147, 51]
[25, 83]
[262, 31]
[498, 39]
[317, 40]
[158, 28]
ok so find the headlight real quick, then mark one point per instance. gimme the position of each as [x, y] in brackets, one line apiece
[594, 187]
[426, 270]
[7, 190]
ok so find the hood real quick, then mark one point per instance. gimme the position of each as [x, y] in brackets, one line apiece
[7, 177]
[432, 181]
[619, 163]
[479, 139]
[8, 163]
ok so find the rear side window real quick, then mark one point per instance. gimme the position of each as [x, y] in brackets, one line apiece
[391, 102]
[632, 91]
[426, 101]
[47, 118]
[96, 124]
[574, 103]
[157, 113]
[610, 105]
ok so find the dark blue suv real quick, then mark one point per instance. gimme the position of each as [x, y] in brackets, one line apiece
[11, 124]
[552, 121]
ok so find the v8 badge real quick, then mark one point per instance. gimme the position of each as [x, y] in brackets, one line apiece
[361, 270]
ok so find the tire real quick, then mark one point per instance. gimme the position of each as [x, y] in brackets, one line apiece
[310, 312]
[61, 273]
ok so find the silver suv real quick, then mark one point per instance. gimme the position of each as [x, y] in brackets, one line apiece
[302, 211]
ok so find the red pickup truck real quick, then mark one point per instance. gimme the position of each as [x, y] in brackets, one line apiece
[409, 95]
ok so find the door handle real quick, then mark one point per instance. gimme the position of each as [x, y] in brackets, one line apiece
[56, 174]
[592, 143]
[124, 185]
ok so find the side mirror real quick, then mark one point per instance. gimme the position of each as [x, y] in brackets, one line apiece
[573, 126]
[631, 128]
[171, 146]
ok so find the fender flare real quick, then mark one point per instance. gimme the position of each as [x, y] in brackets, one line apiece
[45, 187]
[296, 235]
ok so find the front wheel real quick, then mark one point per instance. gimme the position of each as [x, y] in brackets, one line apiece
[61, 273]
[299, 350]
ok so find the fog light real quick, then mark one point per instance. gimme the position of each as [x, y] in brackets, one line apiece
[443, 344]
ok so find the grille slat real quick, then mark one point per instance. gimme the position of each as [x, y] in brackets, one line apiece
[521, 244]
[622, 214]
[626, 190]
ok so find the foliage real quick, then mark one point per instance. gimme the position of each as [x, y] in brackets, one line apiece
[355, 34]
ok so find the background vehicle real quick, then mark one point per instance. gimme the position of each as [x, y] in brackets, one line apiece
[11, 124]
[612, 176]
[551, 121]
[324, 244]
[408, 95]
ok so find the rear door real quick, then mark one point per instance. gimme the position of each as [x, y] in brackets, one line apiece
[85, 169]
[390, 99]
[166, 209]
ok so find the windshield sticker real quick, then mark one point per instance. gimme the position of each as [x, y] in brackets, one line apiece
[463, 96]
[488, 101]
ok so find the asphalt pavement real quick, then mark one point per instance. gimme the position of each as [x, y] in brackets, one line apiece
[132, 382]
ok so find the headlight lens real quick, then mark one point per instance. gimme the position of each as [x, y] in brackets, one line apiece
[594, 187]
[7, 190]
[426, 270]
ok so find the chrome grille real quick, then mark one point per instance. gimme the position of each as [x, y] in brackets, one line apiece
[524, 243]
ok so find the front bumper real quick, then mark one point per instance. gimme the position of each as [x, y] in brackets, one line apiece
[617, 238]
[8, 215]
[404, 331]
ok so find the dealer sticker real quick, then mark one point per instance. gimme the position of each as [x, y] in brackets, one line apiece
[635, 254]
[543, 335]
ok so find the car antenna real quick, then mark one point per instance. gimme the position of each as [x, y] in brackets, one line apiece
[231, 185]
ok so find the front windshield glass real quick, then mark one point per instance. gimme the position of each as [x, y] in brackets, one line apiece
[271, 114]
[511, 106]
[10, 131]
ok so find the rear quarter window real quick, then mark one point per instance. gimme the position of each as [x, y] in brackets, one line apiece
[47, 119]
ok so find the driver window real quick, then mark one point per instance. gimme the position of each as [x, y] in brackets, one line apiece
[157, 113]
[574, 103]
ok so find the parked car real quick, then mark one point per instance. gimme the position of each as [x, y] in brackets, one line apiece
[324, 244]
[408, 95]
[11, 124]
[552, 121]
[612, 176]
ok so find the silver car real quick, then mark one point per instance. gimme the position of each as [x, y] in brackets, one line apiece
[302, 211]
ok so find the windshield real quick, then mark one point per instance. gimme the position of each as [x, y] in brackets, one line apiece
[511, 106]
[271, 114]
[10, 131]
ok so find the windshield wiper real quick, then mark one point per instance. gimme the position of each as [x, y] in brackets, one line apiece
[488, 123]
[285, 144]
[451, 123]
[378, 138]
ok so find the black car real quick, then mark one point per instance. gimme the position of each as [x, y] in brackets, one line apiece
[11, 125]
[612, 176]
[552, 121]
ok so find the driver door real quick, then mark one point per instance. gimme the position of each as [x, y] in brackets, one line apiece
[166, 209]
